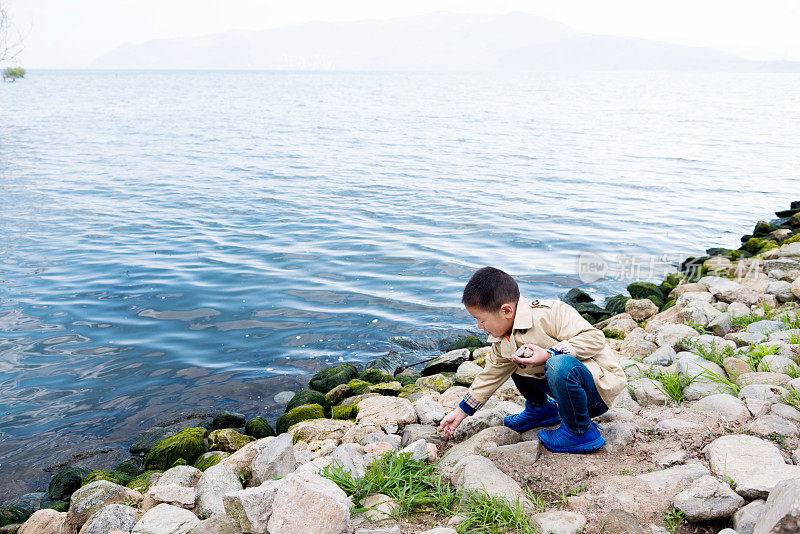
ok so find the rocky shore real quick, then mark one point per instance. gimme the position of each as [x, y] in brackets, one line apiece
[705, 439]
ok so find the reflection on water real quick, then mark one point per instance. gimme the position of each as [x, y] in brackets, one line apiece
[172, 244]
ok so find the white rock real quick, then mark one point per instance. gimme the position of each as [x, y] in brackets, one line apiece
[349, 460]
[671, 334]
[386, 410]
[251, 508]
[708, 498]
[480, 443]
[109, 518]
[559, 522]
[275, 460]
[166, 519]
[660, 480]
[661, 356]
[477, 473]
[171, 494]
[467, 372]
[417, 450]
[618, 436]
[216, 481]
[309, 503]
[745, 519]
[790, 250]
[429, 412]
[767, 425]
[649, 392]
[754, 465]
[726, 406]
[782, 510]
[379, 507]
[486, 418]
[182, 475]
[698, 311]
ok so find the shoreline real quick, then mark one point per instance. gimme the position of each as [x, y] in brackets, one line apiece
[623, 319]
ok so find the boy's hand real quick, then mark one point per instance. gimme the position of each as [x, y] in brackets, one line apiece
[532, 355]
[451, 422]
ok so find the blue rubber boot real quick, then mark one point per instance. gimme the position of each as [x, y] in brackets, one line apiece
[533, 416]
[563, 440]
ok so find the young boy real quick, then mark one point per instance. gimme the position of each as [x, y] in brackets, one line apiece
[566, 359]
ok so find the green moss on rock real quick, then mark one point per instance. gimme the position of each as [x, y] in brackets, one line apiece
[111, 476]
[329, 378]
[407, 377]
[58, 506]
[64, 484]
[647, 290]
[295, 415]
[437, 382]
[228, 440]
[179, 461]
[386, 388]
[613, 333]
[344, 412]
[794, 239]
[762, 228]
[616, 304]
[304, 397]
[227, 420]
[258, 428]
[358, 386]
[143, 482]
[466, 342]
[186, 445]
[208, 459]
[671, 281]
[375, 376]
[14, 514]
[670, 303]
[754, 245]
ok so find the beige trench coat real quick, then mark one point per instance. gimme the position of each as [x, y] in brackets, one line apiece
[549, 324]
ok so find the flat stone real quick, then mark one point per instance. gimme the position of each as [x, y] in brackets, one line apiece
[483, 441]
[166, 519]
[674, 424]
[648, 392]
[707, 498]
[448, 361]
[762, 377]
[765, 327]
[477, 473]
[309, 503]
[754, 465]
[661, 356]
[170, 494]
[386, 410]
[429, 412]
[787, 412]
[319, 429]
[412, 433]
[767, 425]
[764, 392]
[670, 334]
[112, 517]
[726, 406]
[782, 511]
[622, 522]
[485, 418]
[673, 476]
[518, 456]
[618, 436]
[559, 522]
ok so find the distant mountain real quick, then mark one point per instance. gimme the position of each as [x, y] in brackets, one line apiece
[437, 41]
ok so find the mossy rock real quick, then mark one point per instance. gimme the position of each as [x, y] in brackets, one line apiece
[329, 378]
[409, 389]
[647, 290]
[14, 514]
[295, 415]
[466, 342]
[613, 333]
[66, 482]
[58, 506]
[763, 228]
[481, 361]
[228, 440]
[131, 467]
[794, 239]
[186, 445]
[304, 397]
[692, 267]
[387, 363]
[111, 476]
[670, 303]
[770, 245]
[794, 220]
[258, 428]
[407, 377]
[386, 388]
[227, 420]
[353, 401]
[671, 281]
[179, 461]
[754, 245]
[616, 304]
[375, 376]
[143, 482]
[438, 382]
[344, 412]
[210, 458]
[358, 386]
[592, 310]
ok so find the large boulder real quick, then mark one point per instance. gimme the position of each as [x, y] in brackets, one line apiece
[726, 406]
[448, 361]
[320, 429]
[482, 442]
[44, 521]
[477, 473]
[66, 481]
[754, 465]
[170, 494]
[111, 517]
[216, 481]
[466, 373]
[227, 419]
[306, 412]
[641, 309]
[188, 444]
[182, 475]
[303, 397]
[166, 519]
[91, 497]
[251, 508]
[386, 410]
[309, 503]
[228, 440]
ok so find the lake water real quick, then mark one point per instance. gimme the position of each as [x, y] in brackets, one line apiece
[174, 243]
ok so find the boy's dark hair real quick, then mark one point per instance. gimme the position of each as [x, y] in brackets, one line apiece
[490, 288]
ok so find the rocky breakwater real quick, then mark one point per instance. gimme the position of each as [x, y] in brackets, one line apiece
[706, 435]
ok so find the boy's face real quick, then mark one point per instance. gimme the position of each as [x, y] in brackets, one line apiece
[498, 322]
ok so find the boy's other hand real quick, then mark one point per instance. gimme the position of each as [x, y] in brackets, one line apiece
[451, 422]
[531, 354]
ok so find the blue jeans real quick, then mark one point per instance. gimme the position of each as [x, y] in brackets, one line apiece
[571, 384]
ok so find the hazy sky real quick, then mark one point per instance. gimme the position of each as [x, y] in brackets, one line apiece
[70, 33]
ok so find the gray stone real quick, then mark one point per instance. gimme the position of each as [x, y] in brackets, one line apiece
[708, 498]
[699, 312]
[482, 442]
[417, 450]
[467, 372]
[392, 439]
[216, 481]
[429, 412]
[93, 496]
[618, 436]
[782, 511]
[477, 473]
[754, 465]
[216, 524]
[349, 460]
[721, 325]
[412, 433]
[726, 406]
[559, 522]
[170, 494]
[648, 392]
[746, 517]
[674, 424]
[765, 327]
[670, 334]
[790, 250]
[275, 460]
[776, 364]
[661, 356]
[787, 412]
[745, 338]
[379, 507]
[621, 522]
[673, 476]
[625, 401]
[767, 425]
[251, 508]
[166, 519]
[762, 392]
[615, 415]
[440, 530]
[700, 388]
[485, 418]
[111, 517]
[737, 310]
[386, 410]
[448, 361]
[640, 309]
[782, 291]
[762, 377]
[309, 503]
[518, 456]
[182, 475]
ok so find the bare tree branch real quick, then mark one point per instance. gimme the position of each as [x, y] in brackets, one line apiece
[10, 37]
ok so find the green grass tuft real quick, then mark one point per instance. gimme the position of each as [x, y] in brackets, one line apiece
[488, 514]
[672, 382]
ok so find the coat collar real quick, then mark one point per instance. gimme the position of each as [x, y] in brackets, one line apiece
[523, 318]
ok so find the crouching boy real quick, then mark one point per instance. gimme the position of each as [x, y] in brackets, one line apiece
[559, 362]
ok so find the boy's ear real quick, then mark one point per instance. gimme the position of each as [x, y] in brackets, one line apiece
[507, 309]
